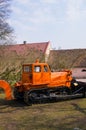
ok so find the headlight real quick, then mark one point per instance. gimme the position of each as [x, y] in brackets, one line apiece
[75, 84]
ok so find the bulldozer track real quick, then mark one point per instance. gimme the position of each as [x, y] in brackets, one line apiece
[51, 98]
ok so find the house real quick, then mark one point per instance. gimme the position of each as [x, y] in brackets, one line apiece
[15, 55]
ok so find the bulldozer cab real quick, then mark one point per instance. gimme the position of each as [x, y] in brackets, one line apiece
[36, 73]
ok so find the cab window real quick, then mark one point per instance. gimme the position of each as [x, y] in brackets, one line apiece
[45, 68]
[27, 68]
[37, 69]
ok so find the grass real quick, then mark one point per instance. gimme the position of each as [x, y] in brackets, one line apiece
[65, 115]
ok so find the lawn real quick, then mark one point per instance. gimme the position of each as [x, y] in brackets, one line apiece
[64, 115]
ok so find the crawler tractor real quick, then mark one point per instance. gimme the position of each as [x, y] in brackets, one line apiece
[38, 84]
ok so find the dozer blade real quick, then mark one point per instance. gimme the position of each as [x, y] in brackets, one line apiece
[7, 89]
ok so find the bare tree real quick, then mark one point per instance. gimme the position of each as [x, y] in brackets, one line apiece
[5, 29]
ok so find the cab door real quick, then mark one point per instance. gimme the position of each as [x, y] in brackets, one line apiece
[27, 74]
[37, 75]
[41, 74]
[46, 74]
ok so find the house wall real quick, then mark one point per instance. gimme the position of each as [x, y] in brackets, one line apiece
[47, 52]
[79, 73]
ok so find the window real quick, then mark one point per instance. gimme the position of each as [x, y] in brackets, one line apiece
[45, 69]
[83, 70]
[27, 68]
[37, 69]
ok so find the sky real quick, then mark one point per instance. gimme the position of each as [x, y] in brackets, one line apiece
[62, 22]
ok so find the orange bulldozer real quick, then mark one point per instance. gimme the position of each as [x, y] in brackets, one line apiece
[38, 83]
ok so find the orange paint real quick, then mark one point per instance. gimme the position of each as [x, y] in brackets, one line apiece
[38, 75]
[6, 87]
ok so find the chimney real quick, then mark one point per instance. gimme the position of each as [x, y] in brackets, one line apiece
[24, 42]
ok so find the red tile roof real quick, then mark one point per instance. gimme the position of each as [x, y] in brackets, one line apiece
[21, 49]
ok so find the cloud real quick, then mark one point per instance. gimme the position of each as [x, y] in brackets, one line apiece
[21, 25]
[34, 12]
[49, 10]
[49, 1]
[22, 1]
[16, 10]
[74, 9]
[42, 15]
[30, 16]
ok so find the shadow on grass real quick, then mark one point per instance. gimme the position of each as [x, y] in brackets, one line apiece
[21, 103]
[78, 108]
[11, 105]
[14, 105]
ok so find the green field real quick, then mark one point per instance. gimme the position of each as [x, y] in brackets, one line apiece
[65, 115]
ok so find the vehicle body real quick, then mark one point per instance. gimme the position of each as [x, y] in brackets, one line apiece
[39, 83]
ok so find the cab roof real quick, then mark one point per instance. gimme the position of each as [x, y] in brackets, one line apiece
[36, 63]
